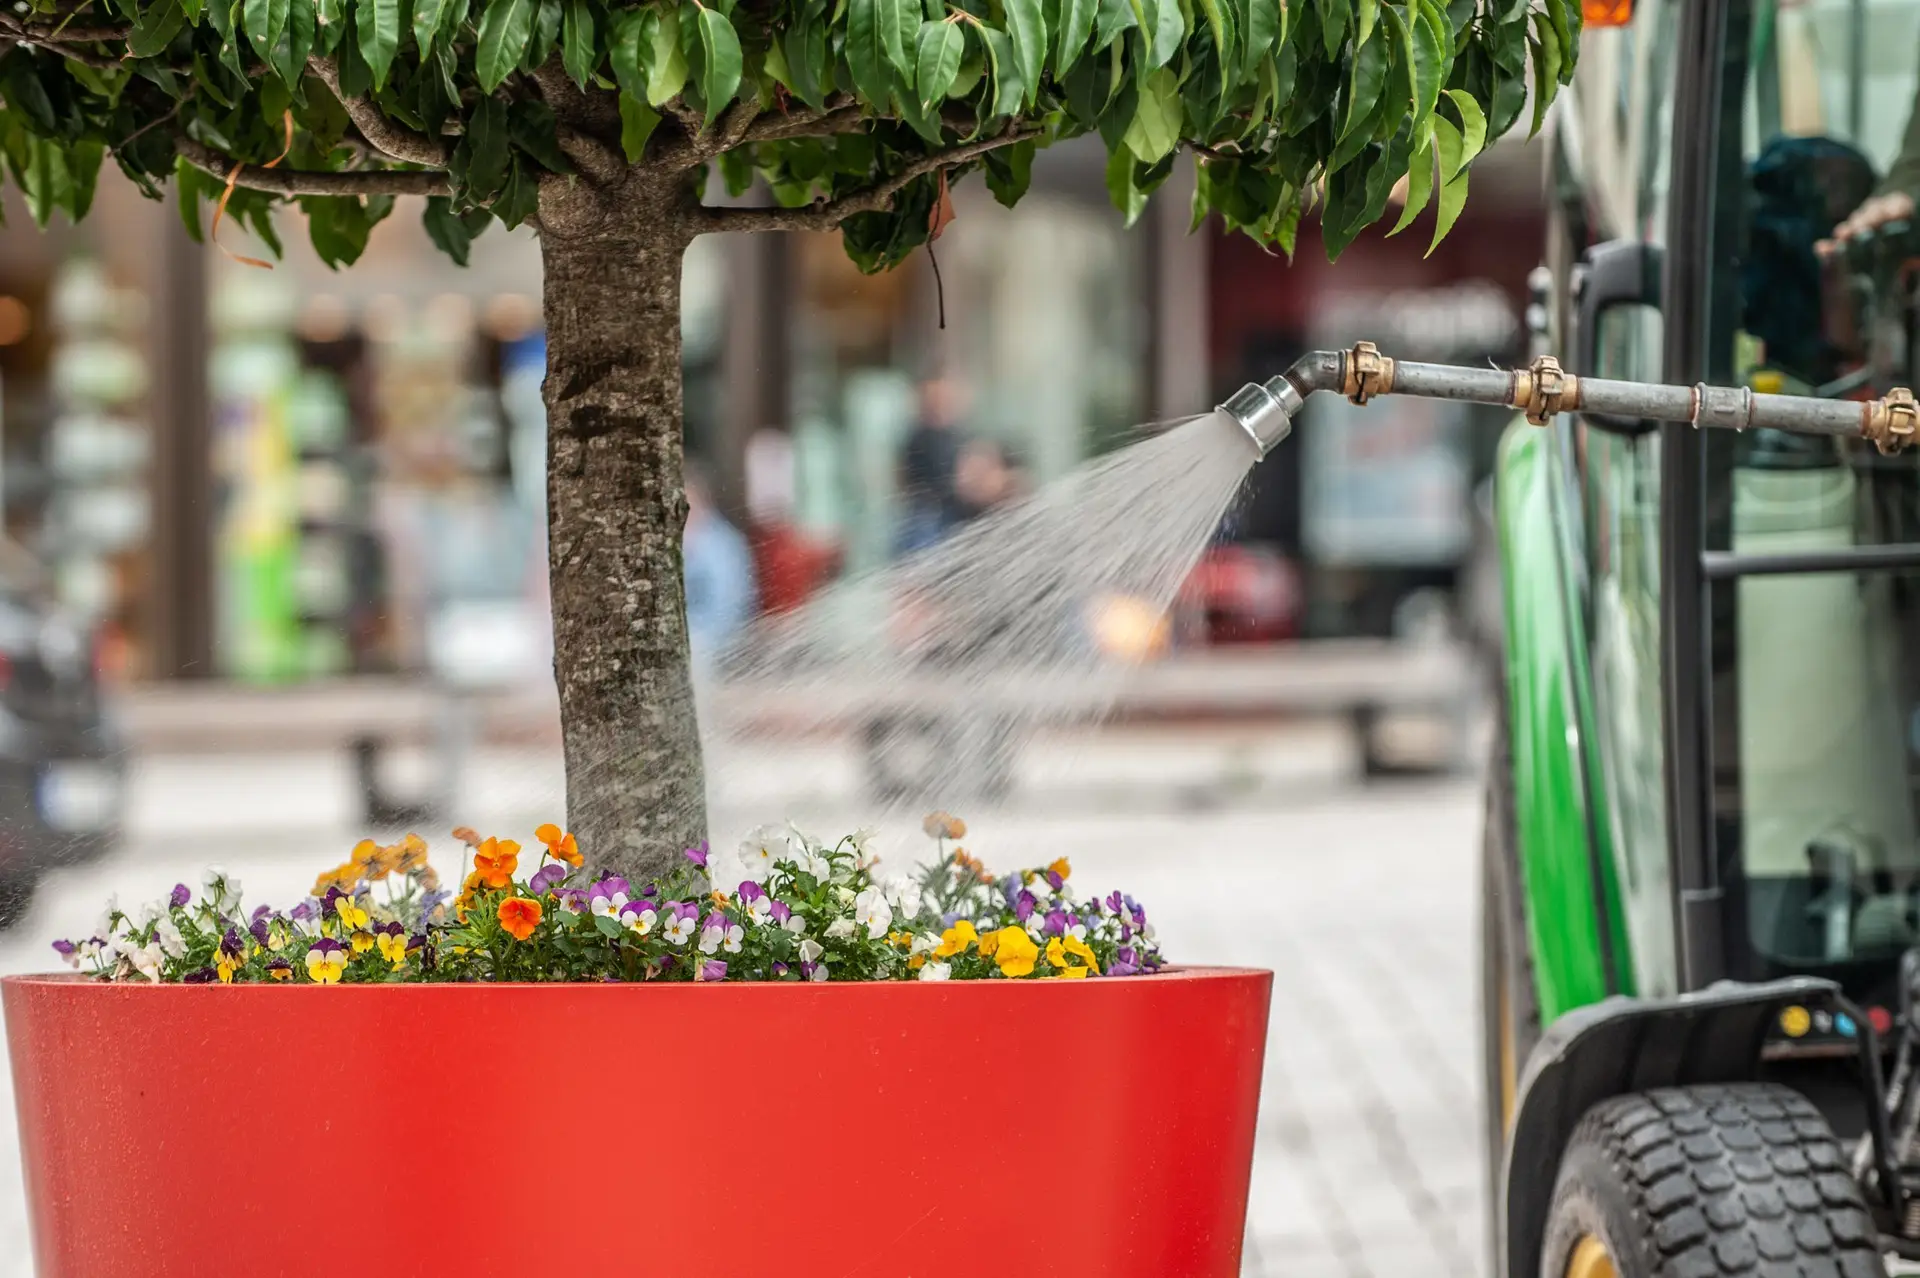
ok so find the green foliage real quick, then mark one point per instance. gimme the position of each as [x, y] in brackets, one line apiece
[1290, 105]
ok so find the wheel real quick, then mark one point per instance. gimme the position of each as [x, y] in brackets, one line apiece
[16, 896]
[1509, 1005]
[1706, 1182]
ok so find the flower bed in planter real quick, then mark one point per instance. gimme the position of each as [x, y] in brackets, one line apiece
[793, 1127]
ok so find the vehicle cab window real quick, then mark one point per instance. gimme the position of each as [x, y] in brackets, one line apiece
[1815, 284]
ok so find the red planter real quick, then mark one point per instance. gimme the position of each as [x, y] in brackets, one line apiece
[1099, 1129]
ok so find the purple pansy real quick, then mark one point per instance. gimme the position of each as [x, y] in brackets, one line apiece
[1056, 923]
[712, 970]
[64, 948]
[1024, 907]
[258, 930]
[326, 945]
[199, 976]
[780, 913]
[780, 969]
[1125, 962]
[304, 911]
[259, 911]
[698, 854]
[548, 876]
[1054, 881]
[1114, 902]
[181, 895]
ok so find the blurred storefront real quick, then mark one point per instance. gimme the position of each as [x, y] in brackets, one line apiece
[282, 475]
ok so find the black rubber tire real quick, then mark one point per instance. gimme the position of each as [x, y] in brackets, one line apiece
[16, 897]
[1717, 1181]
[1506, 955]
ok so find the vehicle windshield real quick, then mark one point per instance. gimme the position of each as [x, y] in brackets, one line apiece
[1817, 291]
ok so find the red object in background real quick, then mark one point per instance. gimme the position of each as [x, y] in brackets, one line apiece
[1248, 594]
[790, 566]
[1099, 1128]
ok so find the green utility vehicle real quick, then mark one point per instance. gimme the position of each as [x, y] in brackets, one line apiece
[1702, 856]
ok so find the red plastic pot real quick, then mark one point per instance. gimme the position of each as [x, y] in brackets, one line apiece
[1098, 1129]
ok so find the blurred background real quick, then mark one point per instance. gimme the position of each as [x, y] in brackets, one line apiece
[274, 579]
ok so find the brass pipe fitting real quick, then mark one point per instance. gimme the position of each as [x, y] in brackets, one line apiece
[1891, 420]
[1365, 372]
[1544, 389]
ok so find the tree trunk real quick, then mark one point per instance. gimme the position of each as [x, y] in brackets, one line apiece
[636, 792]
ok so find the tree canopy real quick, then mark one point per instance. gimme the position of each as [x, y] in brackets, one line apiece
[855, 113]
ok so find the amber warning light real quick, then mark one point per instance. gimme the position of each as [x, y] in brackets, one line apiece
[1606, 13]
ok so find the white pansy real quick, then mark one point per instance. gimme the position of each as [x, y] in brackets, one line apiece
[1041, 889]
[845, 895]
[149, 911]
[816, 865]
[762, 848]
[840, 929]
[171, 942]
[903, 895]
[147, 960]
[819, 972]
[862, 840]
[1036, 927]
[923, 943]
[1078, 931]
[870, 908]
[935, 971]
[678, 929]
[810, 951]
[796, 924]
[223, 890]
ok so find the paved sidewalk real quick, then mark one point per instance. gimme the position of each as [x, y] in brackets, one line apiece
[1248, 847]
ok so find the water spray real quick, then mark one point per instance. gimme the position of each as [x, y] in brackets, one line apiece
[1543, 389]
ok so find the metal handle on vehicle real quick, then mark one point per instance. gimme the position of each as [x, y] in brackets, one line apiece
[1611, 275]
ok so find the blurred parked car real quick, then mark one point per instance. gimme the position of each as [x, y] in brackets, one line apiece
[62, 765]
[1241, 594]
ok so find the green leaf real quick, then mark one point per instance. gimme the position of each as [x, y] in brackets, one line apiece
[1010, 172]
[531, 126]
[606, 926]
[1261, 25]
[520, 198]
[720, 60]
[505, 28]
[427, 15]
[1156, 119]
[1114, 17]
[1446, 146]
[1334, 16]
[870, 26]
[1223, 34]
[547, 20]
[356, 78]
[1453, 197]
[339, 225]
[1419, 183]
[1567, 19]
[1369, 74]
[625, 44]
[637, 123]
[579, 42]
[1473, 126]
[1546, 69]
[806, 49]
[1169, 33]
[290, 55]
[1076, 27]
[479, 165]
[937, 60]
[377, 22]
[1424, 54]
[446, 230]
[1367, 13]
[264, 21]
[1009, 90]
[158, 26]
[1121, 188]
[189, 185]
[1029, 32]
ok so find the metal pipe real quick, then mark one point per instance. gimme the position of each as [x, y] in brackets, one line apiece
[1543, 390]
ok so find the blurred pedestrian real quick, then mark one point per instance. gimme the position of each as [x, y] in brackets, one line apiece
[984, 477]
[719, 574]
[929, 461]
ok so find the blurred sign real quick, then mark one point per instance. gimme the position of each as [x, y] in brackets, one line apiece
[1386, 484]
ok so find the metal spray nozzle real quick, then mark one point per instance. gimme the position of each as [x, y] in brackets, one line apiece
[1264, 412]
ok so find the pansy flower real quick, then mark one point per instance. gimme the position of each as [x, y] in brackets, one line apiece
[1056, 923]
[560, 845]
[547, 877]
[519, 916]
[327, 961]
[956, 939]
[699, 854]
[764, 848]
[230, 956]
[495, 860]
[783, 916]
[361, 940]
[410, 854]
[640, 916]
[68, 951]
[711, 970]
[685, 917]
[351, 916]
[181, 895]
[759, 904]
[944, 825]
[1058, 950]
[279, 969]
[392, 939]
[935, 971]
[1126, 962]
[609, 896]
[720, 932]
[870, 908]
[1015, 952]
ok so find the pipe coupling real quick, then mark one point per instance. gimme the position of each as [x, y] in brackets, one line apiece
[1544, 390]
[1365, 372]
[1891, 420]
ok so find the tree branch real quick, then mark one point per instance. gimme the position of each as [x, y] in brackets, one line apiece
[290, 182]
[12, 33]
[395, 141]
[841, 116]
[826, 215]
[581, 118]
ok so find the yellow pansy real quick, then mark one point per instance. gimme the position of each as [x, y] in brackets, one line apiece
[1060, 947]
[326, 963]
[988, 944]
[393, 947]
[1015, 952]
[956, 939]
[350, 915]
[362, 941]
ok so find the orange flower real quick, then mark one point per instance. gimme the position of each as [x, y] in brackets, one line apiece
[341, 876]
[944, 825]
[520, 916]
[560, 845]
[1063, 868]
[495, 861]
[467, 835]
[412, 854]
[364, 852]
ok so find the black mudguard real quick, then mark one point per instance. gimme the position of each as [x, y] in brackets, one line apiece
[1614, 1047]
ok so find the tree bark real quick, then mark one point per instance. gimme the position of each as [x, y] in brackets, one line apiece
[636, 792]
